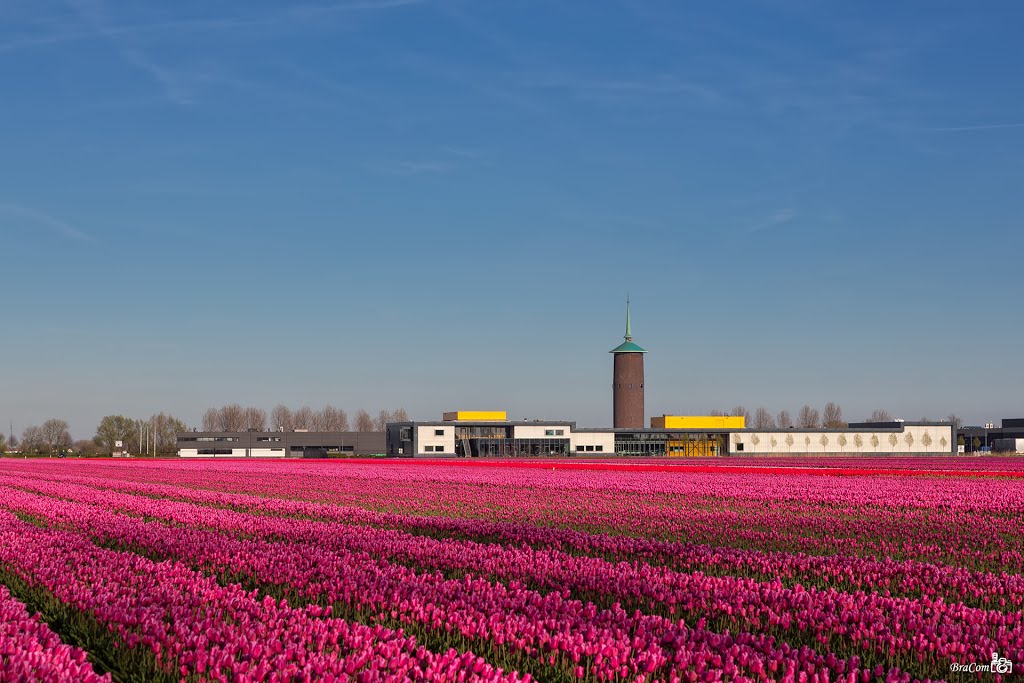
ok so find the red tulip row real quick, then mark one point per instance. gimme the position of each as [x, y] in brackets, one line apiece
[952, 523]
[581, 639]
[197, 627]
[907, 578]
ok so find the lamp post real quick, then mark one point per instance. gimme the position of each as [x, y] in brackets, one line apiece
[988, 426]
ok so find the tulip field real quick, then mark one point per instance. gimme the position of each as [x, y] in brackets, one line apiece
[851, 570]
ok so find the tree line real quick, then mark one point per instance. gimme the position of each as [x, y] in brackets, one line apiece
[236, 418]
[158, 434]
[153, 436]
[53, 437]
[830, 417]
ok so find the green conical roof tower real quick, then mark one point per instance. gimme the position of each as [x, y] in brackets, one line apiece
[628, 346]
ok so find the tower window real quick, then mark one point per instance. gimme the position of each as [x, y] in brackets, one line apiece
[630, 386]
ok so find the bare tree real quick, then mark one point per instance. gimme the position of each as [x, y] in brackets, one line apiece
[3, 444]
[255, 419]
[380, 422]
[211, 420]
[364, 423]
[763, 419]
[808, 418]
[955, 420]
[784, 420]
[331, 419]
[740, 411]
[232, 418]
[322, 420]
[832, 417]
[281, 419]
[400, 415]
[164, 429]
[303, 418]
[879, 415]
[55, 435]
[716, 413]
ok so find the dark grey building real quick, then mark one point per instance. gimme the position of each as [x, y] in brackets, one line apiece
[979, 438]
[278, 444]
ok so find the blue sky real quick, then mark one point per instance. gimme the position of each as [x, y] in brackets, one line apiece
[441, 204]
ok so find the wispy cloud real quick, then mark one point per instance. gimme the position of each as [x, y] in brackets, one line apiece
[775, 219]
[454, 159]
[984, 126]
[280, 20]
[411, 167]
[620, 89]
[484, 82]
[463, 153]
[94, 14]
[45, 220]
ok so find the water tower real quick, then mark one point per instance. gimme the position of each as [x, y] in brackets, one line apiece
[628, 382]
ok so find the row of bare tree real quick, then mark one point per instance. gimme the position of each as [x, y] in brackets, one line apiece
[236, 418]
[50, 438]
[807, 418]
[831, 417]
[157, 435]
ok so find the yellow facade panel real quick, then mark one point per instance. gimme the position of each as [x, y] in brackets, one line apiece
[475, 416]
[698, 422]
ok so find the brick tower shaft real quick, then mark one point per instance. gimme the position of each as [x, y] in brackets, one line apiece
[628, 390]
[628, 382]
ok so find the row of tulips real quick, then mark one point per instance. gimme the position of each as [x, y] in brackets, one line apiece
[29, 650]
[574, 637]
[302, 480]
[923, 635]
[952, 523]
[634, 516]
[898, 578]
[196, 627]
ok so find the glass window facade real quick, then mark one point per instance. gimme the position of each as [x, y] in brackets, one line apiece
[672, 444]
[487, 447]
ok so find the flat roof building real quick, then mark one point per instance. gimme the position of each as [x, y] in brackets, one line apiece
[975, 438]
[669, 436]
[293, 444]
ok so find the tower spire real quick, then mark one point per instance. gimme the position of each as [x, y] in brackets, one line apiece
[629, 334]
